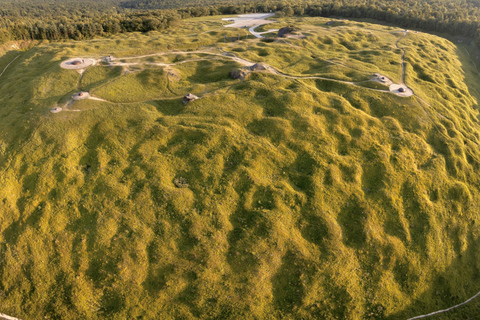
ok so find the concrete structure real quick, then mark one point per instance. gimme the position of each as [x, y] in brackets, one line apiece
[381, 78]
[77, 63]
[81, 95]
[189, 97]
[401, 90]
[284, 31]
[259, 67]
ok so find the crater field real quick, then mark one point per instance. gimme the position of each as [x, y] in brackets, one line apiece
[336, 179]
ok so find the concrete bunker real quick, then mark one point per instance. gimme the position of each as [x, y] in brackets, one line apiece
[189, 97]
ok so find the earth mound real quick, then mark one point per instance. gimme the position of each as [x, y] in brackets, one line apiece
[239, 74]
[282, 32]
[173, 74]
[381, 78]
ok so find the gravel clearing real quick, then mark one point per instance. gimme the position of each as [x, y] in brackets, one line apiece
[249, 20]
[77, 63]
[401, 90]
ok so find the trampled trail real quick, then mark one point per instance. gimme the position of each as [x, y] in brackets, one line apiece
[216, 56]
[227, 55]
[113, 62]
[403, 54]
[259, 34]
[5, 317]
[1, 74]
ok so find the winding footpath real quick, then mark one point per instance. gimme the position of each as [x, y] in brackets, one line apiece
[401, 89]
[9, 65]
[5, 317]
[215, 56]
[403, 54]
[259, 34]
[112, 62]
[226, 55]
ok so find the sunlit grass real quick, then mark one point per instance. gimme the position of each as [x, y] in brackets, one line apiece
[266, 198]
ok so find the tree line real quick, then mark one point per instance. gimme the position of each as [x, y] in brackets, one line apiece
[36, 20]
[85, 27]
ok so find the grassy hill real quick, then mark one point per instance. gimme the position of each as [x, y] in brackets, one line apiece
[268, 198]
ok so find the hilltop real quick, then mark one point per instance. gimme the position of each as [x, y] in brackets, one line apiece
[311, 189]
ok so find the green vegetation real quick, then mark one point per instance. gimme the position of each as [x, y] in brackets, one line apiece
[268, 198]
[60, 20]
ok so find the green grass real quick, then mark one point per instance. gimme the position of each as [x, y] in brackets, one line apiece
[268, 198]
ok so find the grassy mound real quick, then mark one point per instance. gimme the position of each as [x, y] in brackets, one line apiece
[267, 198]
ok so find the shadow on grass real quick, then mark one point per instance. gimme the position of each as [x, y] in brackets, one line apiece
[458, 282]
[288, 289]
[168, 107]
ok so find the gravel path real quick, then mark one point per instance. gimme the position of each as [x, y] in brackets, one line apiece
[259, 34]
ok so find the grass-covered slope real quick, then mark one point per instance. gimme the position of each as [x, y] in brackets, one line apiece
[267, 198]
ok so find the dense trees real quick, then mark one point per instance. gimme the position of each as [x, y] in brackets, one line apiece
[33, 19]
[83, 20]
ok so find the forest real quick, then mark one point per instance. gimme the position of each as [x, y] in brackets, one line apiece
[44, 20]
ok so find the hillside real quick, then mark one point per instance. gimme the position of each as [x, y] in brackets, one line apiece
[308, 190]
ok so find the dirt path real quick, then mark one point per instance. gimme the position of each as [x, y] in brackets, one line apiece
[222, 55]
[9, 65]
[259, 34]
[244, 62]
[471, 60]
[233, 57]
[98, 99]
[5, 317]
[158, 64]
[401, 89]
[79, 84]
[403, 54]
[217, 56]
[68, 104]
[277, 72]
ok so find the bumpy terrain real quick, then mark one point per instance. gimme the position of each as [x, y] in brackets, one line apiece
[304, 191]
